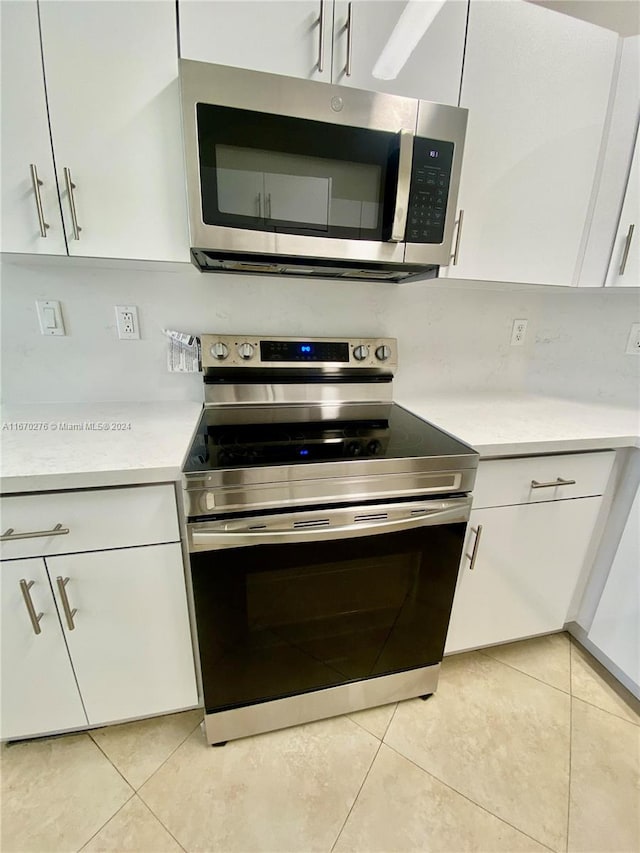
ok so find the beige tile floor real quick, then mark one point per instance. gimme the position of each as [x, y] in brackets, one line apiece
[525, 747]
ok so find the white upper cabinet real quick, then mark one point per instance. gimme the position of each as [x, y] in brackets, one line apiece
[279, 36]
[624, 269]
[317, 40]
[432, 70]
[112, 81]
[537, 86]
[27, 207]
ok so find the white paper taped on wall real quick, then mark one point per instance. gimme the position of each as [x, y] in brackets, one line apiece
[183, 354]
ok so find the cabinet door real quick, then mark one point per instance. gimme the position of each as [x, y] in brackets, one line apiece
[25, 139]
[615, 629]
[624, 269]
[432, 70]
[528, 561]
[537, 86]
[131, 642]
[112, 82]
[39, 691]
[279, 37]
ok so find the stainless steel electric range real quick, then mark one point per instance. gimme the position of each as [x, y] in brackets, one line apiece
[325, 529]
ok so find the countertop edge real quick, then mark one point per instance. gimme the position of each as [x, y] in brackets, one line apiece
[89, 480]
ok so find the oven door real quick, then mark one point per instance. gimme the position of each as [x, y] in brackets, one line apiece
[304, 601]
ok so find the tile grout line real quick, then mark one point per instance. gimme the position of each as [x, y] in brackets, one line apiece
[636, 722]
[366, 776]
[135, 790]
[128, 800]
[348, 717]
[522, 672]
[605, 711]
[469, 800]
[142, 800]
[570, 740]
[160, 766]
[97, 745]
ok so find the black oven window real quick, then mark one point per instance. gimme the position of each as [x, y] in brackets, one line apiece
[290, 175]
[277, 620]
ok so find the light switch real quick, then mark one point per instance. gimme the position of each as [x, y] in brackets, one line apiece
[50, 317]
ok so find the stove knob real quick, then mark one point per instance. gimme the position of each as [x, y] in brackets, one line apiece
[383, 352]
[361, 352]
[353, 448]
[374, 447]
[219, 350]
[245, 350]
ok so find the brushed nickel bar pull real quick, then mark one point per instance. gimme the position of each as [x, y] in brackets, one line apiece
[558, 482]
[35, 617]
[37, 183]
[268, 206]
[260, 216]
[349, 28]
[58, 530]
[321, 39]
[627, 246]
[68, 612]
[72, 203]
[473, 555]
[458, 236]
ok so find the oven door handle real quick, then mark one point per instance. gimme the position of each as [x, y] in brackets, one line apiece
[401, 209]
[203, 539]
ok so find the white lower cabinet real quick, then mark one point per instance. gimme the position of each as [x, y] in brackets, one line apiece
[114, 641]
[528, 561]
[130, 642]
[527, 543]
[39, 690]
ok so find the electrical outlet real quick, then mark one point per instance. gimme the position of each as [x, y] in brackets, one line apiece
[633, 344]
[518, 332]
[127, 320]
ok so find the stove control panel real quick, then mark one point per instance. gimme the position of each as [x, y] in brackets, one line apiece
[249, 351]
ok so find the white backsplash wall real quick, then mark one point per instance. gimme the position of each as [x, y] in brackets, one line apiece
[453, 336]
[91, 363]
[456, 335]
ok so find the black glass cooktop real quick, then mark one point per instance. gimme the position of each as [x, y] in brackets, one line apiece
[258, 436]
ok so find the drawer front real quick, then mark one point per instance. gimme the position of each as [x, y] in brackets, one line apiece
[503, 482]
[95, 520]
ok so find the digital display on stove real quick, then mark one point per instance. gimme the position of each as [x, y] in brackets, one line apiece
[304, 351]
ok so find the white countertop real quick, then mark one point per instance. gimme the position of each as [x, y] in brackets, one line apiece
[60, 445]
[518, 424]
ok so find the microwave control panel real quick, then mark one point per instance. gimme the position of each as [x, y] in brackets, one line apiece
[430, 178]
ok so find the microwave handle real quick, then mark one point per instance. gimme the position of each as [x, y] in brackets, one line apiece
[399, 227]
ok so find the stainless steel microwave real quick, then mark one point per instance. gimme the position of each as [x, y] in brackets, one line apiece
[289, 176]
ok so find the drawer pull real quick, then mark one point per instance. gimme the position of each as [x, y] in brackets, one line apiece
[68, 612]
[558, 482]
[35, 617]
[58, 530]
[472, 556]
